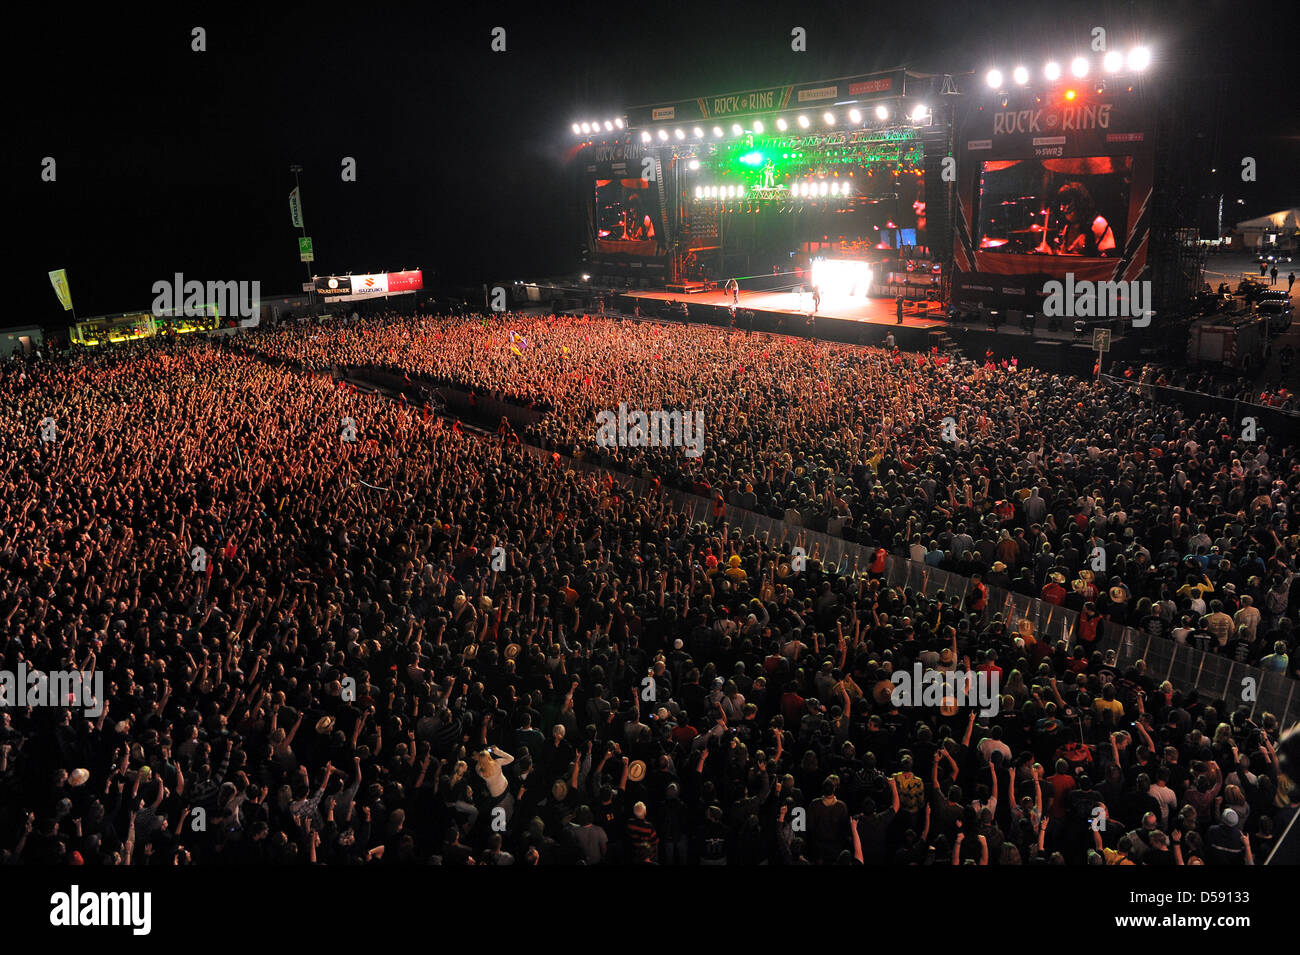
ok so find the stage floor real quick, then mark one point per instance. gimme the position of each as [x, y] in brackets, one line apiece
[876, 311]
[869, 311]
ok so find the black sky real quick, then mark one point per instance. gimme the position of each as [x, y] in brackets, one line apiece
[175, 161]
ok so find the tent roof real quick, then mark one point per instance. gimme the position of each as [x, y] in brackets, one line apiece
[1286, 219]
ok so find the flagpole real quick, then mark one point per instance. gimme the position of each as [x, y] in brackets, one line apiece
[302, 225]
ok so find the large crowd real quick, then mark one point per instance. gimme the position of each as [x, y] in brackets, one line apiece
[340, 629]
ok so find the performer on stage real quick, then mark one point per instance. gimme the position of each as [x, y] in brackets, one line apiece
[733, 287]
[769, 175]
[1083, 230]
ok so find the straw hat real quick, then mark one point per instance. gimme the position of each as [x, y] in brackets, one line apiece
[636, 770]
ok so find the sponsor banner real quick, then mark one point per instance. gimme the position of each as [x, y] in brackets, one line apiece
[332, 286]
[756, 102]
[295, 208]
[819, 92]
[409, 281]
[372, 284]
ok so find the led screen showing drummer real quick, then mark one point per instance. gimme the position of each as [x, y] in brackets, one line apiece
[1076, 206]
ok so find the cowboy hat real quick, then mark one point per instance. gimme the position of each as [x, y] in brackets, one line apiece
[636, 770]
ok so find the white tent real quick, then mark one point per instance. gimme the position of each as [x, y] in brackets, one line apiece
[1257, 232]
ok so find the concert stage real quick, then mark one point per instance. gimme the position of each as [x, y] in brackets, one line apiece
[857, 308]
[869, 321]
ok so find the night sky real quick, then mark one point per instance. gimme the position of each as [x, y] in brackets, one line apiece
[175, 161]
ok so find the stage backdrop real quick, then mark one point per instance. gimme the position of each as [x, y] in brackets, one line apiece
[1048, 188]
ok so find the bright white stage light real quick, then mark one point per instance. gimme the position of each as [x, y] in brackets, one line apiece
[824, 187]
[693, 165]
[882, 112]
[618, 122]
[645, 136]
[846, 188]
[803, 122]
[758, 126]
[855, 116]
[717, 131]
[994, 79]
[680, 134]
[1020, 75]
[663, 134]
[609, 127]
[841, 278]
[828, 118]
[920, 112]
[781, 124]
[1079, 66]
[699, 192]
[835, 189]
[576, 129]
[740, 190]
[1052, 71]
[1139, 58]
[697, 133]
[586, 127]
[1113, 61]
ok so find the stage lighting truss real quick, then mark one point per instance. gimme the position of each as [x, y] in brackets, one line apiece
[1074, 68]
[591, 128]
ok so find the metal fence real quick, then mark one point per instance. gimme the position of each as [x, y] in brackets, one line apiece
[1212, 676]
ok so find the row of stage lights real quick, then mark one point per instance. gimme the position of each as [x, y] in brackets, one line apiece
[1137, 60]
[810, 189]
[588, 129]
[803, 121]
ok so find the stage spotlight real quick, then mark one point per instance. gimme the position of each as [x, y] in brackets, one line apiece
[835, 189]
[1113, 61]
[824, 188]
[829, 118]
[694, 164]
[781, 124]
[1020, 75]
[699, 192]
[576, 129]
[1079, 66]
[663, 134]
[679, 133]
[994, 79]
[645, 136]
[1139, 58]
[803, 122]
[882, 112]
[697, 133]
[1052, 71]
[855, 116]
[619, 123]
[846, 188]
[609, 127]
[1070, 94]
[740, 190]
[717, 132]
[920, 112]
[586, 127]
[737, 129]
[758, 126]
